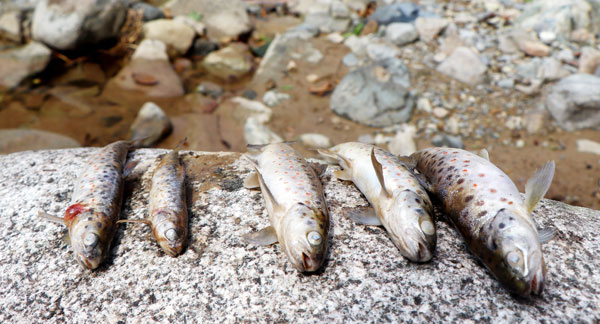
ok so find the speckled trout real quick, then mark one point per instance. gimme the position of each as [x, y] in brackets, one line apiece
[294, 199]
[399, 202]
[167, 204]
[490, 214]
[95, 204]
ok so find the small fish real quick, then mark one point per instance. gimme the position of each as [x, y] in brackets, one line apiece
[167, 204]
[399, 202]
[490, 214]
[95, 204]
[294, 199]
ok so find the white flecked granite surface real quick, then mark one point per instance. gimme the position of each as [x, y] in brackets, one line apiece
[222, 279]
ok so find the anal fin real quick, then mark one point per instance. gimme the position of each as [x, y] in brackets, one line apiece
[343, 175]
[266, 236]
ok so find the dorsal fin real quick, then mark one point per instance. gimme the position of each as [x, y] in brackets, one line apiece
[379, 171]
[484, 154]
[538, 185]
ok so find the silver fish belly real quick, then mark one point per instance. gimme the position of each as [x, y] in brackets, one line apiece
[295, 203]
[400, 203]
[488, 211]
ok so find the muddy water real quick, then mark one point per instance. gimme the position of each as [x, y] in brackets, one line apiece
[72, 100]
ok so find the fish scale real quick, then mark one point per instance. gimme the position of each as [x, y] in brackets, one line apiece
[294, 199]
[489, 212]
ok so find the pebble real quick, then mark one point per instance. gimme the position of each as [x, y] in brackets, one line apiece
[403, 143]
[335, 38]
[429, 27]
[272, 98]
[444, 140]
[520, 143]
[314, 140]
[246, 108]
[588, 146]
[151, 124]
[423, 104]
[440, 112]
[464, 65]
[177, 35]
[401, 33]
[210, 89]
[255, 132]
[506, 83]
[312, 78]
[350, 60]
[589, 61]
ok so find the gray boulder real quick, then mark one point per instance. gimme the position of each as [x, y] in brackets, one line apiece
[17, 64]
[221, 278]
[464, 65]
[71, 24]
[574, 102]
[377, 94]
[399, 12]
[401, 33]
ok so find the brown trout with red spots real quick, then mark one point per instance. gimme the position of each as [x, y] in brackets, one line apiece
[167, 204]
[294, 199]
[490, 214]
[95, 204]
[399, 202]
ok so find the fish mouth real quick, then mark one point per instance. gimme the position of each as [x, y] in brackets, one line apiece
[87, 262]
[171, 250]
[537, 283]
[416, 251]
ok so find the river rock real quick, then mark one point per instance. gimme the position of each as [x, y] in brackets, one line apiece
[222, 278]
[429, 27]
[403, 143]
[257, 133]
[149, 72]
[151, 124]
[529, 44]
[464, 65]
[574, 102]
[376, 94]
[177, 35]
[314, 140]
[10, 25]
[15, 140]
[445, 140]
[588, 146]
[560, 16]
[229, 63]
[272, 98]
[222, 18]
[203, 47]
[72, 24]
[149, 12]
[19, 63]
[401, 33]
[404, 12]
[246, 108]
[589, 61]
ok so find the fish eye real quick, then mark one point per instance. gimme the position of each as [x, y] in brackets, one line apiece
[514, 259]
[171, 234]
[314, 238]
[90, 240]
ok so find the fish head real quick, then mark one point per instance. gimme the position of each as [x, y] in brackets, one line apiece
[90, 239]
[304, 237]
[412, 227]
[170, 234]
[520, 263]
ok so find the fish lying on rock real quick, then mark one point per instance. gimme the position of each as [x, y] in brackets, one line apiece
[490, 214]
[399, 202]
[95, 204]
[167, 204]
[295, 203]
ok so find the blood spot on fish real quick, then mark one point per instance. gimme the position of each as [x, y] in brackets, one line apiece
[481, 175]
[73, 211]
[468, 198]
[461, 180]
[493, 190]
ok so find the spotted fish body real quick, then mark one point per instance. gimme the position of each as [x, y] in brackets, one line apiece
[167, 204]
[295, 203]
[96, 203]
[400, 202]
[487, 209]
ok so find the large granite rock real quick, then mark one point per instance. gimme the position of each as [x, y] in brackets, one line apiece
[574, 102]
[221, 278]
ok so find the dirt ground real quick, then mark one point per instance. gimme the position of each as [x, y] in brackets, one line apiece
[95, 117]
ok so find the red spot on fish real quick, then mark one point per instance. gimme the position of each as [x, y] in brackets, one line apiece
[73, 211]
[474, 185]
[285, 172]
[465, 170]
[445, 153]
[510, 202]
[307, 194]
[467, 161]
[452, 160]
[307, 202]
[482, 175]
[297, 173]
[493, 190]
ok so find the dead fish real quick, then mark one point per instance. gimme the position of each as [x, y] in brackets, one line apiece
[399, 202]
[490, 214]
[95, 204]
[167, 204]
[294, 199]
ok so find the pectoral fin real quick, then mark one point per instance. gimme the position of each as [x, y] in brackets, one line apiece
[379, 172]
[363, 215]
[545, 234]
[343, 175]
[51, 217]
[251, 181]
[538, 185]
[266, 236]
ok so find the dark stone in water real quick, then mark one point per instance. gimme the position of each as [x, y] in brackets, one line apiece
[149, 12]
[249, 94]
[203, 47]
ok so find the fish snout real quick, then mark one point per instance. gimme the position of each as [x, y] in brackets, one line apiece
[538, 280]
[414, 246]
